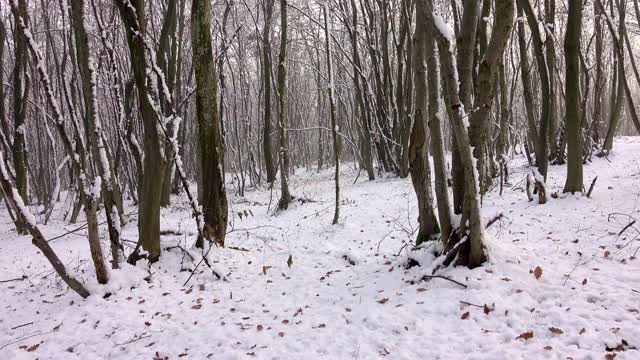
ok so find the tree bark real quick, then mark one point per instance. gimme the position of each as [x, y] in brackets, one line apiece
[332, 112]
[21, 89]
[485, 89]
[266, 73]
[572, 95]
[285, 196]
[212, 150]
[419, 143]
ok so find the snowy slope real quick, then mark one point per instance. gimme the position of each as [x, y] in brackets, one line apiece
[347, 294]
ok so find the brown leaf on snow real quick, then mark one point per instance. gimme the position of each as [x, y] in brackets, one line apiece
[610, 356]
[281, 334]
[584, 282]
[196, 307]
[487, 309]
[607, 253]
[33, 348]
[555, 330]
[285, 321]
[259, 327]
[421, 289]
[548, 347]
[525, 335]
[537, 272]
[382, 301]
[582, 331]
[465, 316]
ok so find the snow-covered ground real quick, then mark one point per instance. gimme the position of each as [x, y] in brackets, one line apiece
[347, 294]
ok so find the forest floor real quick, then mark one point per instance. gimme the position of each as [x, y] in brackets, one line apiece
[562, 280]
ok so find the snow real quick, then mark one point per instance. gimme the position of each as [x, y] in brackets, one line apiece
[444, 28]
[585, 300]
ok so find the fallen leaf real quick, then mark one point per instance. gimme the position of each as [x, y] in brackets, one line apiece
[607, 253]
[281, 334]
[259, 327]
[582, 331]
[382, 301]
[555, 330]
[465, 316]
[537, 272]
[525, 335]
[548, 347]
[290, 261]
[33, 348]
[421, 289]
[487, 309]
[584, 282]
[196, 307]
[610, 356]
[285, 321]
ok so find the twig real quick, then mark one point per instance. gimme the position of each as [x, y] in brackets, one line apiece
[593, 184]
[134, 339]
[37, 333]
[470, 304]
[492, 221]
[429, 277]
[23, 325]
[16, 279]
[626, 227]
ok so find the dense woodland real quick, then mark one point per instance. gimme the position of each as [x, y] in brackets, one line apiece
[107, 103]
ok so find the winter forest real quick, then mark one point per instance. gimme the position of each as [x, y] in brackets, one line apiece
[330, 179]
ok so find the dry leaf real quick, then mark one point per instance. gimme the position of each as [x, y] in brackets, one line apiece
[555, 330]
[421, 289]
[259, 327]
[465, 316]
[582, 331]
[610, 356]
[487, 309]
[33, 348]
[584, 282]
[525, 335]
[548, 347]
[196, 307]
[537, 272]
[281, 334]
[382, 301]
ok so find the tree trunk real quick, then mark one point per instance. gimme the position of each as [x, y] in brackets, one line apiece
[95, 140]
[572, 95]
[212, 150]
[474, 255]
[419, 143]
[285, 196]
[485, 89]
[332, 111]
[133, 16]
[266, 73]
[21, 89]
[543, 70]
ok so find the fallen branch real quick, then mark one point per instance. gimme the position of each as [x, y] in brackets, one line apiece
[593, 184]
[492, 221]
[626, 227]
[16, 279]
[429, 277]
[23, 325]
